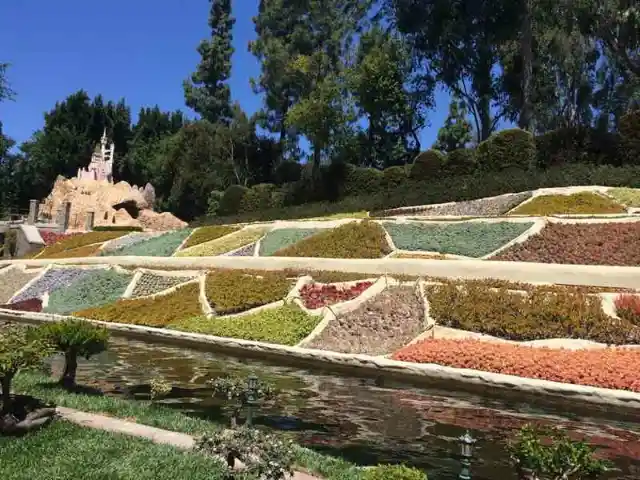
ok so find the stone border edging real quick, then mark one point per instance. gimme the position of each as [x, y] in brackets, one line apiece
[362, 363]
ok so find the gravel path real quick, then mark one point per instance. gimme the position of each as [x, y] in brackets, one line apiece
[12, 281]
[380, 326]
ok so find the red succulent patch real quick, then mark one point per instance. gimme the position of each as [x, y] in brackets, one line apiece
[615, 368]
[29, 305]
[628, 308]
[54, 237]
[315, 295]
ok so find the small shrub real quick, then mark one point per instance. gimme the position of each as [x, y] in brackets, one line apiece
[237, 390]
[629, 127]
[507, 149]
[257, 198]
[628, 308]
[213, 203]
[206, 234]
[461, 162]
[287, 172]
[393, 472]
[77, 241]
[393, 177]
[362, 181]
[158, 388]
[428, 165]
[232, 200]
[577, 203]
[233, 291]
[75, 338]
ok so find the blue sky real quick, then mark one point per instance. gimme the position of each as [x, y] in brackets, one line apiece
[141, 50]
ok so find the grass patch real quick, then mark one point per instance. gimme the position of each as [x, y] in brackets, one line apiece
[364, 239]
[577, 203]
[77, 241]
[225, 244]
[162, 246]
[282, 238]
[473, 239]
[233, 291]
[153, 312]
[627, 196]
[287, 325]
[206, 234]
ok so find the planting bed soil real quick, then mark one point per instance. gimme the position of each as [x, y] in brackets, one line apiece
[577, 203]
[314, 295]
[539, 315]
[354, 240]
[13, 280]
[99, 288]
[225, 244]
[148, 284]
[287, 325]
[379, 326]
[76, 241]
[627, 196]
[278, 239]
[206, 234]
[159, 246]
[51, 281]
[153, 312]
[471, 239]
[246, 251]
[30, 305]
[612, 243]
[614, 368]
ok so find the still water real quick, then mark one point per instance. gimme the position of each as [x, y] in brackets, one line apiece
[359, 419]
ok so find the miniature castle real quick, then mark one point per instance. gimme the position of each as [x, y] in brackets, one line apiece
[101, 165]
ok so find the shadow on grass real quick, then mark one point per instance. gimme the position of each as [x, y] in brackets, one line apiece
[77, 389]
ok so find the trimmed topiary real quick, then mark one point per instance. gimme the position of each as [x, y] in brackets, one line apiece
[257, 198]
[512, 148]
[362, 181]
[428, 165]
[629, 127]
[393, 472]
[393, 177]
[232, 200]
[461, 161]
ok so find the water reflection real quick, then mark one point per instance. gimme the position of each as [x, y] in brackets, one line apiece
[357, 418]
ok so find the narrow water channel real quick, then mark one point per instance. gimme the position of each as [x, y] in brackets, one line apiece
[359, 420]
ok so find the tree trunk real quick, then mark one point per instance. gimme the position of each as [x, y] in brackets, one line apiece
[68, 378]
[6, 394]
[526, 46]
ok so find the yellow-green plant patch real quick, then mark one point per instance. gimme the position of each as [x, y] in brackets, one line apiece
[577, 203]
[206, 234]
[80, 252]
[627, 196]
[225, 244]
[77, 241]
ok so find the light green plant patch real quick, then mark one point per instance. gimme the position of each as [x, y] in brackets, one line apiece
[93, 290]
[163, 246]
[224, 244]
[282, 238]
[473, 239]
[577, 203]
[627, 196]
[206, 234]
[287, 325]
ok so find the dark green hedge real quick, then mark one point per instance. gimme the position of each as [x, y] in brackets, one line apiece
[578, 145]
[630, 131]
[507, 149]
[428, 165]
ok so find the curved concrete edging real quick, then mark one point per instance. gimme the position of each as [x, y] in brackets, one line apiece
[362, 364]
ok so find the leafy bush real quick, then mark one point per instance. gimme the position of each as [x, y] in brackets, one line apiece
[153, 312]
[232, 199]
[287, 172]
[628, 308]
[213, 203]
[362, 181]
[577, 144]
[93, 290]
[393, 472]
[206, 234]
[428, 165]
[472, 239]
[257, 198]
[606, 368]
[116, 228]
[75, 338]
[232, 291]
[393, 177]
[576, 203]
[629, 127]
[77, 241]
[287, 325]
[461, 162]
[149, 283]
[536, 316]
[282, 238]
[626, 196]
[224, 244]
[161, 246]
[507, 149]
[353, 240]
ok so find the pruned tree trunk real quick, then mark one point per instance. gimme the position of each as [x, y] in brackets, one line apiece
[68, 378]
[526, 47]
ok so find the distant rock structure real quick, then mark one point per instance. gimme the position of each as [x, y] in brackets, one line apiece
[101, 166]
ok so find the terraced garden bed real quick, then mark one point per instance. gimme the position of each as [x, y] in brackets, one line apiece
[528, 287]
[225, 244]
[354, 240]
[380, 326]
[30, 305]
[13, 280]
[99, 287]
[315, 295]
[577, 203]
[149, 283]
[206, 234]
[539, 315]
[80, 252]
[626, 196]
[282, 238]
[470, 239]
[287, 325]
[246, 251]
[50, 238]
[74, 242]
[614, 368]
[129, 239]
[161, 246]
[233, 291]
[51, 281]
[628, 308]
[612, 243]
[152, 312]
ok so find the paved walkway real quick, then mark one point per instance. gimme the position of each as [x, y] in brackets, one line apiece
[156, 435]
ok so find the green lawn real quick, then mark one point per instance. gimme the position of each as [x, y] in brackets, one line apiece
[63, 451]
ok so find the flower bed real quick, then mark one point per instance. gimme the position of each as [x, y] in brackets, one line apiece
[278, 239]
[246, 251]
[354, 240]
[50, 238]
[471, 239]
[225, 244]
[153, 312]
[287, 325]
[536, 316]
[528, 287]
[607, 368]
[80, 252]
[612, 243]
[51, 281]
[577, 203]
[99, 288]
[162, 246]
[628, 308]
[13, 280]
[206, 234]
[627, 196]
[77, 241]
[233, 291]
[130, 239]
[315, 295]
[30, 305]
[381, 325]
[148, 283]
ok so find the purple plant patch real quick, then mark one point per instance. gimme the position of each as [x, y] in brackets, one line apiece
[50, 281]
[246, 251]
